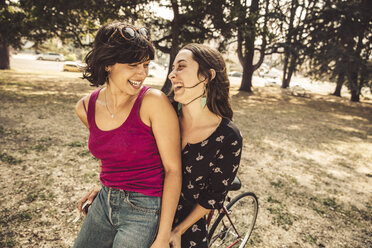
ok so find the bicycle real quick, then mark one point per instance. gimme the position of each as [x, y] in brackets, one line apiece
[234, 223]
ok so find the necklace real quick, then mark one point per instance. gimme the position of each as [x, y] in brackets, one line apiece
[112, 115]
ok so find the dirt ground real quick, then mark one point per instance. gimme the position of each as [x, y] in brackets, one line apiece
[307, 156]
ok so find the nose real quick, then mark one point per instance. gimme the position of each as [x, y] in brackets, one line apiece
[171, 75]
[142, 70]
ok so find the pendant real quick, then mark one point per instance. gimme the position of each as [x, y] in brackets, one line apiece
[112, 116]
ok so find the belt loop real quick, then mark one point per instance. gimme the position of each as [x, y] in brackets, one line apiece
[108, 204]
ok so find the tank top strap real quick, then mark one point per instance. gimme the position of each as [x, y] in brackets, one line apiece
[92, 106]
[137, 103]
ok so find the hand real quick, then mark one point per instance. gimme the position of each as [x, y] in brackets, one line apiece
[175, 239]
[88, 198]
[160, 244]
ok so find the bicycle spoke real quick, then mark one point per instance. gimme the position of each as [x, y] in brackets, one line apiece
[242, 211]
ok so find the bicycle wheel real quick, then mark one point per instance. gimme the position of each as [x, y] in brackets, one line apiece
[242, 211]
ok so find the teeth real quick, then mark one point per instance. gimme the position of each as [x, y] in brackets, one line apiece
[134, 83]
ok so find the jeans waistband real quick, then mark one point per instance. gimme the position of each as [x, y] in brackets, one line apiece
[122, 191]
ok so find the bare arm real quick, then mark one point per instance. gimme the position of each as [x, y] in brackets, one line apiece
[165, 126]
[82, 114]
[80, 111]
[195, 215]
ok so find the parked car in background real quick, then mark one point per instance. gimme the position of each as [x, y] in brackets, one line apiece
[235, 74]
[73, 66]
[50, 56]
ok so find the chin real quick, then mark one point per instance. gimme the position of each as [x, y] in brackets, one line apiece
[177, 99]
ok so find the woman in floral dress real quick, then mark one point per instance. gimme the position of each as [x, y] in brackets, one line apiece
[211, 143]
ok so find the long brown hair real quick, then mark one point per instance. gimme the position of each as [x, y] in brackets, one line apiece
[217, 89]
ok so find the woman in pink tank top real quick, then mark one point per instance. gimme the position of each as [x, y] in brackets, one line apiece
[134, 132]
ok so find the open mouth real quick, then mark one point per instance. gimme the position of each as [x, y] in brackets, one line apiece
[177, 87]
[135, 83]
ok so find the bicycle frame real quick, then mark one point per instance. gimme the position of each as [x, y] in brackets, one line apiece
[226, 212]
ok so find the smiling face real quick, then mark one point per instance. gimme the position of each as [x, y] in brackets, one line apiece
[128, 78]
[185, 74]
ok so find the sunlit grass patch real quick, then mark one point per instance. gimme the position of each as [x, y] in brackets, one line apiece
[278, 183]
[31, 197]
[20, 216]
[271, 199]
[311, 239]
[9, 159]
[90, 176]
[39, 148]
[255, 239]
[84, 153]
[8, 242]
[281, 217]
[76, 144]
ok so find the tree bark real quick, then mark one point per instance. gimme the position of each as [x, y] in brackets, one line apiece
[340, 82]
[167, 86]
[246, 84]
[353, 81]
[289, 55]
[248, 67]
[4, 55]
[290, 71]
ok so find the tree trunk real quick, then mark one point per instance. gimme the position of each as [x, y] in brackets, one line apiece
[340, 82]
[248, 67]
[289, 55]
[353, 82]
[167, 86]
[246, 84]
[175, 43]
[291, 69]
[285, 68]
[4, 55]
[354, 96]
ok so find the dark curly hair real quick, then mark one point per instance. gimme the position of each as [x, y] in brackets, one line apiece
[110, 48]
[217, 89]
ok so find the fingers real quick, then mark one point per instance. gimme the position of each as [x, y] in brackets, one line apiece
[82, 201]
[87, 200]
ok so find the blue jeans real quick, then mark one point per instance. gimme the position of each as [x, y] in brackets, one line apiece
[119, 218]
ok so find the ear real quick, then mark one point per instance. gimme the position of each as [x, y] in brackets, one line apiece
[108, 68]
[213, 74]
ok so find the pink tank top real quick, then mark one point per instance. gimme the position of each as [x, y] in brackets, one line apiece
[129, 154]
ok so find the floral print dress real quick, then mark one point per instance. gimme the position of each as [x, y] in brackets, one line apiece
[209, 167]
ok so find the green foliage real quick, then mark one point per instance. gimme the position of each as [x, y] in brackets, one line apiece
[70, 57]
[339, 42]
[69, 20]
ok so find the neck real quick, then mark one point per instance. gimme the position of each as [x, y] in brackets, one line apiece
[193, 114]
[115, 97]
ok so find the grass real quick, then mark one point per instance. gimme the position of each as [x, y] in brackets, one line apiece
[307, 159]
[76, 144]
[9, 159]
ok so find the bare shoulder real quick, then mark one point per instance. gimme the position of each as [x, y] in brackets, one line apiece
[79, 107]
[155, 98]
[155, 106]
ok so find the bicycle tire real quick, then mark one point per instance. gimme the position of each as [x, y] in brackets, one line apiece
[222, 233]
